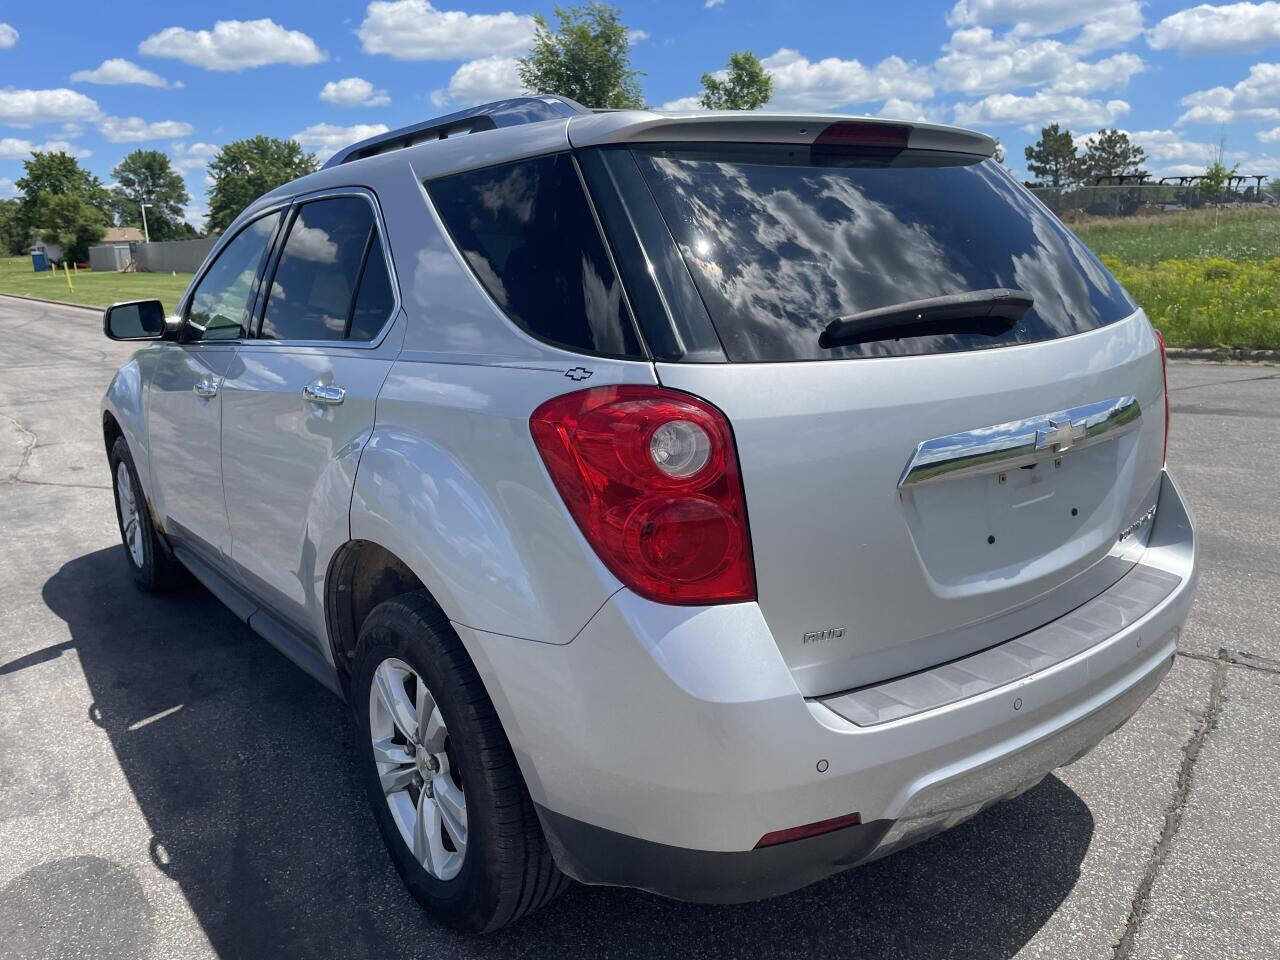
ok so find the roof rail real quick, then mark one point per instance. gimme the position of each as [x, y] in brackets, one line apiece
[488, 116]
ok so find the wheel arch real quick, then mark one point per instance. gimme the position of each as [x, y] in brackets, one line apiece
[361, 575]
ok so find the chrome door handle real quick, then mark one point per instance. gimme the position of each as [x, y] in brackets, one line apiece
[207, 388]
[329, 394]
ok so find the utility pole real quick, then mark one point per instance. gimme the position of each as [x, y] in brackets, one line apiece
[146, 234]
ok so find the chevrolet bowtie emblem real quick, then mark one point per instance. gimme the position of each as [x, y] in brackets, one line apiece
[1060, 435]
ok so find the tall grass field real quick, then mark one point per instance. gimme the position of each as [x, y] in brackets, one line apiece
[1207, 278]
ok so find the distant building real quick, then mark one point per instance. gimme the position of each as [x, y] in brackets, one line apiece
[52, 251]
[122, 235]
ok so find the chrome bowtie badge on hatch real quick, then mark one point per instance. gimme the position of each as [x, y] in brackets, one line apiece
[1060, 435]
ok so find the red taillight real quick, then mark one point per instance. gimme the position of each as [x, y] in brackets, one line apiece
[809, 830]
[1164, 376]
[651, 478]
[858, 134]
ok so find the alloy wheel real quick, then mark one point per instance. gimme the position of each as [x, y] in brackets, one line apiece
[416, 768]
[130, 526]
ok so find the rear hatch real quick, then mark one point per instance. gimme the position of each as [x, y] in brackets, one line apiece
[920, 483]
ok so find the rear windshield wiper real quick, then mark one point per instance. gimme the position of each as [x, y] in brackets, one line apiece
[979, 311]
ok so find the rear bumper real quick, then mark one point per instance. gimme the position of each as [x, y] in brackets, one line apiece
[663, 743]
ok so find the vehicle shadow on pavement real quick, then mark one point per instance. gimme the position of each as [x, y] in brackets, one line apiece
[242, 766]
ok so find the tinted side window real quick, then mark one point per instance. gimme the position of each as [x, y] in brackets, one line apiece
[219, 305]
[315, 281]
[375, 299]
[527, 232]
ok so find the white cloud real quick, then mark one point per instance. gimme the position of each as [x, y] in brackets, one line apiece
[896, 108]
[683, 104]
[326, 139]
[479, 81]
[234, 45]
[12, 148]
[23, 108]
[1040, 109]
[135, 129]
[192, 156]
[8, 37]
[1255, 98]
[713, 3]
[802, 84]
[7, 188]
[976, 61]
[1270, 136]
[1034, 17]
[354, 92]
[120, 71]
[1107, 74]
[637, 36]
[1169, 147]
[195, 216]
[415, 30]
[1233, 28]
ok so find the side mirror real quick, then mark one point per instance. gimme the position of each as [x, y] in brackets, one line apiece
[134, 320]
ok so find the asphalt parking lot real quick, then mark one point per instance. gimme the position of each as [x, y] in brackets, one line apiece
[170, 786]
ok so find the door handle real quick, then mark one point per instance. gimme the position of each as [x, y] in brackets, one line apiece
[207, 388]
[326, 393]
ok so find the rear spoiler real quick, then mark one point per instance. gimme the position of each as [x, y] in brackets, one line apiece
[642, 126]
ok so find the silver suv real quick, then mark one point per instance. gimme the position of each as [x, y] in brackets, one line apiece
[703, 503]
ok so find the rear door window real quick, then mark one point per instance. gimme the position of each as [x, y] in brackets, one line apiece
[781, 240]
[331, 280]
[528, 232]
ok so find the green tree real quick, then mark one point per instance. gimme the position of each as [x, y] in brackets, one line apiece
[1111, 154]
[12, 241]
[244, 170]
[147, 176]
[1052, 159]
[1214, 181]
[62, 203]
[587, 58]
[745, 85]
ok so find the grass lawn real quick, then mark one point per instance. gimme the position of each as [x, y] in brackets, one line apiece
[91, 289]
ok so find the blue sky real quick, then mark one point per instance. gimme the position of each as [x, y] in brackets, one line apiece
[180, 78]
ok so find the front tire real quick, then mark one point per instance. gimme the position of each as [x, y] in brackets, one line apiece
[153, 565]
[444, 785]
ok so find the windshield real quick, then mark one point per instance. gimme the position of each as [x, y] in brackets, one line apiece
[780, 240]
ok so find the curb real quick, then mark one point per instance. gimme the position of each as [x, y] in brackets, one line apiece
[1222, 354]
[60, 303]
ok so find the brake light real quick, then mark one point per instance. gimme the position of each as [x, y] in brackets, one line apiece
[651, 477]
[809, 830]
[1164, 377]
[858, 134]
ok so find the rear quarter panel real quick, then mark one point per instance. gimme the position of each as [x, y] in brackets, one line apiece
[452, 484]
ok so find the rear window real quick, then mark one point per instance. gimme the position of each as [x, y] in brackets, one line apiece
[528, 233]
[781, 240]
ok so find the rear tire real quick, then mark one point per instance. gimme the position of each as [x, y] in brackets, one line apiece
[152, 563]
[453, 769]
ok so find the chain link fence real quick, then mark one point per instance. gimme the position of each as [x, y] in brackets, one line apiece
[1127, 200]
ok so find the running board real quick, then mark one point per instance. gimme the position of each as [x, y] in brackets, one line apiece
[284, 638]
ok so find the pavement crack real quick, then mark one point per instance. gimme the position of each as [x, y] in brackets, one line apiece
[1236, 658]
[1175, 810]
[26, 452]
